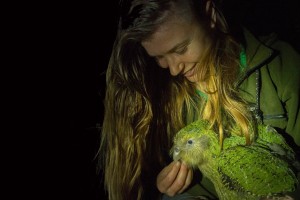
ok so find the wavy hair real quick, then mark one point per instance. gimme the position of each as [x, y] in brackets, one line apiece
[145, 106]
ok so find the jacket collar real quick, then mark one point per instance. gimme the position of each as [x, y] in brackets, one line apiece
[258, 54]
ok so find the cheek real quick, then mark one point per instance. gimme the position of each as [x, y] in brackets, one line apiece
[195, 54]
[198, 48]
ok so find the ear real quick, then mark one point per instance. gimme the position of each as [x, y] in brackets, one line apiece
[210, 9]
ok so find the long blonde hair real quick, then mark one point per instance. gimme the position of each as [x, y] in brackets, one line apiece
[145, 106]
[224, 108]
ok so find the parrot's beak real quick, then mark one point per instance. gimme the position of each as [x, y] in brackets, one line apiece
[176, 152]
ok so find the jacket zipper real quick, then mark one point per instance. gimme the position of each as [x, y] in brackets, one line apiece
[256, 109]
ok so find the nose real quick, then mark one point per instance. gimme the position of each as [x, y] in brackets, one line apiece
[174, 64]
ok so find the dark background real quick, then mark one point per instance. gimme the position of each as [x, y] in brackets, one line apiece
[87, 31]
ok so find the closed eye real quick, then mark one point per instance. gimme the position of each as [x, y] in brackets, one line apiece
[181, 50]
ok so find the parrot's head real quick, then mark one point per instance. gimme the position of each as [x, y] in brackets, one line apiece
[190, 149]
[192, 143]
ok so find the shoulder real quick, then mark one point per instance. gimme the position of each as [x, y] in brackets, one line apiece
[286, 50]
[287, 61]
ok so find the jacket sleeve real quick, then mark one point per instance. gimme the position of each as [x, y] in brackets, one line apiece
[289, 89]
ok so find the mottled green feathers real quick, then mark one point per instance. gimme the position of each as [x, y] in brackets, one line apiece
[239, 171]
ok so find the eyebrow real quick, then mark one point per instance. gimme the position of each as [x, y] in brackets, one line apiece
[178, 46]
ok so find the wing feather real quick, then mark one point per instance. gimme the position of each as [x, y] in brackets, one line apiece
[255, 170]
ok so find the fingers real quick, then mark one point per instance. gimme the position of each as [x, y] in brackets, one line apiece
[188, 181]
[174, 178]
[181, 182]
[167, 176]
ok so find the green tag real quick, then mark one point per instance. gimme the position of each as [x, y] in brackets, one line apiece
[243, 64]
[243, 59]
[201, 94]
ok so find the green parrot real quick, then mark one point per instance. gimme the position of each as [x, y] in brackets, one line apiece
[263, 170]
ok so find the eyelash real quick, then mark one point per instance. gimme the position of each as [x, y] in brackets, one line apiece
[181, 51]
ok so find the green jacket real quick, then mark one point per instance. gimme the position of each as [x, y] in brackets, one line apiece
[271, 81]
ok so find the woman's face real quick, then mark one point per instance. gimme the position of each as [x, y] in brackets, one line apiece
[178, 45]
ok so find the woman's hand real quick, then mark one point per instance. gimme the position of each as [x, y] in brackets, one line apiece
[174, 178]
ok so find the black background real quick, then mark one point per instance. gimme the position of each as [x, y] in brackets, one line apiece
[84, 33]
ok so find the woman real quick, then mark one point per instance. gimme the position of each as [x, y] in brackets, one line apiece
[175, 61]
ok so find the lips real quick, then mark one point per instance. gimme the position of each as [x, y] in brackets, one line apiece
[190, 72]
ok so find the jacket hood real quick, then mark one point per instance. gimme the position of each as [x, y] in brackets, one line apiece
[259, 53]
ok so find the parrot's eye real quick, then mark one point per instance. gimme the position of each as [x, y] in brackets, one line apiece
[190, 141]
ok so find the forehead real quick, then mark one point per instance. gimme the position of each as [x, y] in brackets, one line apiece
[170, 33]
